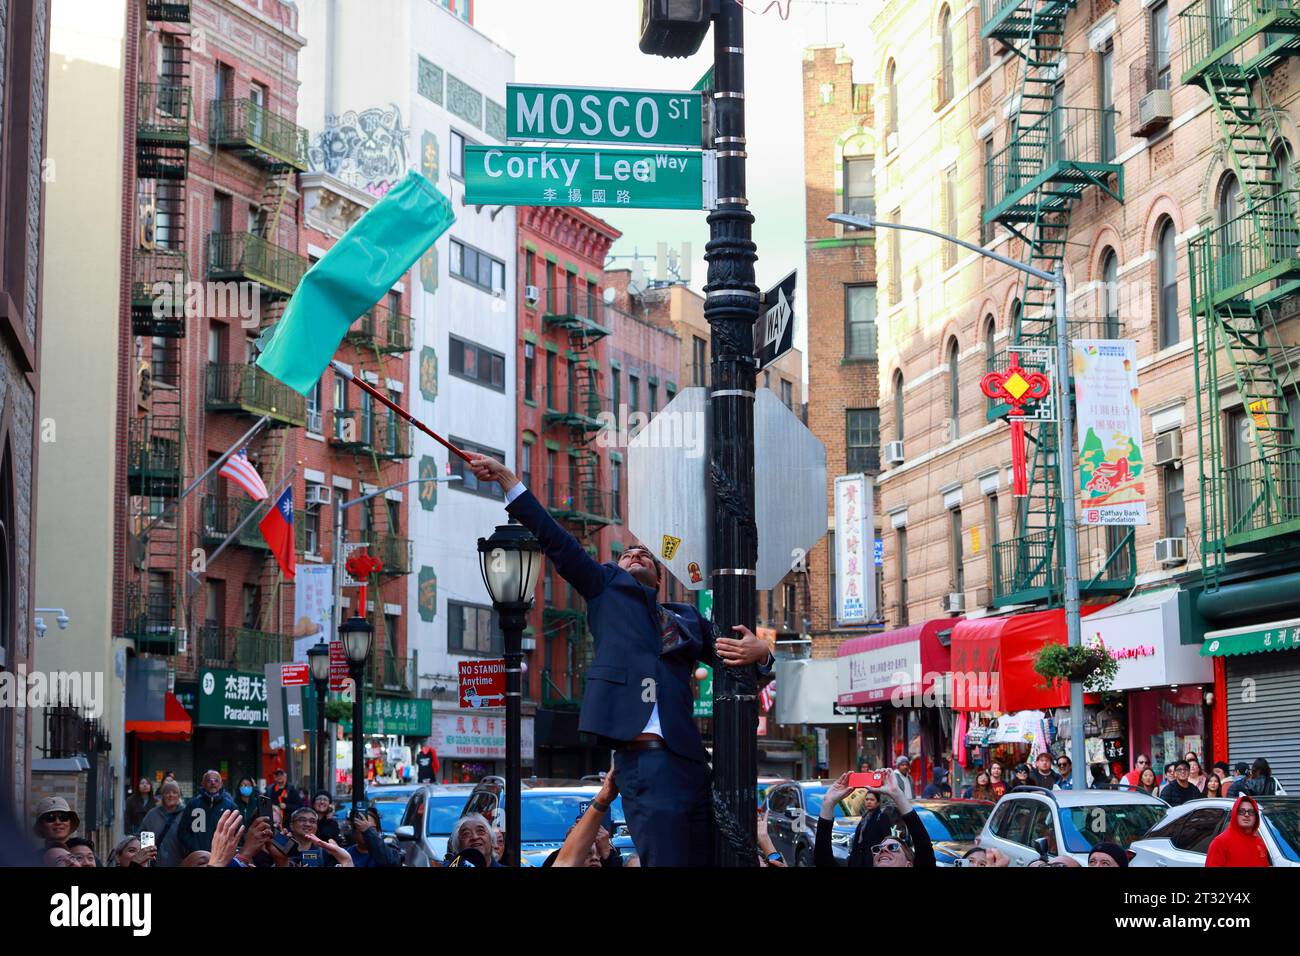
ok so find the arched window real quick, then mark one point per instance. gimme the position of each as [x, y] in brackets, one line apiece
[891, 106]
[1229, 200]
[990, 341]
[954, 390]
[1167, 283]
[1288, 237]
[1014, 320]
[947, 85]
[898, 406]
[1110, 293]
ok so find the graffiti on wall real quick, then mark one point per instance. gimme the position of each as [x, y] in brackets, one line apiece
[365, 149]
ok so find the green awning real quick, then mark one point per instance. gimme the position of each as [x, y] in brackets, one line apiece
[1277, 636]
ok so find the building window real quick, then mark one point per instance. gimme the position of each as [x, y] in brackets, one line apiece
[530, 372]
[478, 364]
[654, 397]
[1160, 44]
[947, 82]
[954, 390]
[552, 498]
[615, 387]
[311, 530]
[488, 489]
[958, 558]
[1110, 293]
[1175, 507]
[860, 186]
[699, 360]
[787, 394]
[550, 379]
[530, 267]
[1106, 99]
[862, 427]
[457, 160]
[473, 629]
[950, 216]
[891, 85]
[986, 227]
[616, 489]
[633, 393]
[900, 537]
[1167, 282]
[251, 604]
[573, 385]
[895, 259]
[550, 288]
[900, 429]
[477, 268]
[982, 56]
[860, 321]
[526, 463]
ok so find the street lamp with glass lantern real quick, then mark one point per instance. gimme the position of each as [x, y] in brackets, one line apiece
[318, 659]
[511, 560]
[357, 634]
[1064, 459]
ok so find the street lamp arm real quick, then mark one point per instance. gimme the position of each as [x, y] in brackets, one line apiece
[866, 222]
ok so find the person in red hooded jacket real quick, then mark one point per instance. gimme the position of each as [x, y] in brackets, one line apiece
[1240, 843]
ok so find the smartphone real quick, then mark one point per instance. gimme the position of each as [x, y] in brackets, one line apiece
[870, 778]
[146, 839]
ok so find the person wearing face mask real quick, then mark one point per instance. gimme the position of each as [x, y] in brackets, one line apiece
[162, 821]
[199, 819]
[246, 801]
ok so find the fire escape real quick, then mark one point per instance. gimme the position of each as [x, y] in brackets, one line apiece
[159, 272]
[1241, 271]
[1053, 156]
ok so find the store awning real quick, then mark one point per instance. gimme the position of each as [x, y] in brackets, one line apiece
[907, 661]
[175, 725]
[1278, 636]
[1144, 634]
[993, 662]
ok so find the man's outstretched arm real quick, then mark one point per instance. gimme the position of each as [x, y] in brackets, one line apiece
[571, 559]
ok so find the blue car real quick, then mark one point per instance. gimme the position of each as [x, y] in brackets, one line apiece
[548, 813]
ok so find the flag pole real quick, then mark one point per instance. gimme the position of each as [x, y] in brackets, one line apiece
[393, 406]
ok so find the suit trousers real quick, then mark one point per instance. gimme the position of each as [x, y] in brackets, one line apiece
[666, 799]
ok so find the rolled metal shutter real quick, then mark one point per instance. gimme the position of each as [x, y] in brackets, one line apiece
[1268, 725]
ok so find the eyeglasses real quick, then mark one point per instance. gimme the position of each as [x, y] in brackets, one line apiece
[57, 816]
[1142, 761]
[889, 846]
[1246, 812]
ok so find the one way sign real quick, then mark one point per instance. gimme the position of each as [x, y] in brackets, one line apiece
[774, 335]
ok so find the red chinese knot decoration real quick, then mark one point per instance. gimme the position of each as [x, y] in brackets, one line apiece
[360, 566]
[1016, 387]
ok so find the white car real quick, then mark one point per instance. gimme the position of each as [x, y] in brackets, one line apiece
[1070, 822]
[1183, 837]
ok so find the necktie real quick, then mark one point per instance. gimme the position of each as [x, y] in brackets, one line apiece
[670, 632]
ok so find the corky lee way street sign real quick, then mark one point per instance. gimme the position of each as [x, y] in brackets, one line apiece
[583, 114]
[545, 176]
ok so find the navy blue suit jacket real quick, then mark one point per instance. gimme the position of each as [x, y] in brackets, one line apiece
[630, 674]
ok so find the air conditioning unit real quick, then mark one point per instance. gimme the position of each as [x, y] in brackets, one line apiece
[1155, 111]
[531, 295]
[984, 597]
[1171, 551]
[894, 453]
[954, 603]
[318, 494]
[1169, 447]
[314, 423]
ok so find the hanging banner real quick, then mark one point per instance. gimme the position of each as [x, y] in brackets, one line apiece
[855, 577]
[1111, 483]
[313, 603]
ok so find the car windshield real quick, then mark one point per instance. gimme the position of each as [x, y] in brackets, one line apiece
[812, 801]
[959, 822]
[548, 816]
[1121, 823]
[1284, 823]
[390, 813]
[441, 811]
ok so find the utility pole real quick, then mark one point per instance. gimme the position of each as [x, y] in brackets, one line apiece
[731, 309]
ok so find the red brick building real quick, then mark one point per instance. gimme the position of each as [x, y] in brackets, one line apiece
[215, 200]
[563, 388]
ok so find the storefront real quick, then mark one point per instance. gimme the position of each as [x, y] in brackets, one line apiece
[472, 745]
[230, 726]
[1262, 672]
[805, 702]
[395, 728]
[901, 675]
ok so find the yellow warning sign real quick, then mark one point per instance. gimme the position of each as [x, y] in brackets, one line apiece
[670, 546]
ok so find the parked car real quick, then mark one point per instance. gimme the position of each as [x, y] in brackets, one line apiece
[548, 812]
[426, 821]
[953, 825]
[792, 810]
[1183, 837]
[389, 800]
[1070, 822]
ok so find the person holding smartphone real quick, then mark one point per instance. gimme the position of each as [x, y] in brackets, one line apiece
[886, 850]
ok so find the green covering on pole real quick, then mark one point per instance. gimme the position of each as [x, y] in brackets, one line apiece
[348, 280]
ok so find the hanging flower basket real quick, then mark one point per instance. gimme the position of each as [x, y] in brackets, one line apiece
[1090, 665]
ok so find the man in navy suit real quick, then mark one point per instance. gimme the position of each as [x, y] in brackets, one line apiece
[638, 698]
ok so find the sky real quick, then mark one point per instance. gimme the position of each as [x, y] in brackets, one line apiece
[594, 43]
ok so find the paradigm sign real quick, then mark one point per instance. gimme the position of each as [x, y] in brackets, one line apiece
[543, 176]
[584, 114]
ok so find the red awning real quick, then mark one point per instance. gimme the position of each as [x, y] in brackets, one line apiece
[872, 668]
[993, 662]
[175, 725]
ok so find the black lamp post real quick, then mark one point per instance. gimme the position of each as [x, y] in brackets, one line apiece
[357, 634]
[318, 658]
[511, 560]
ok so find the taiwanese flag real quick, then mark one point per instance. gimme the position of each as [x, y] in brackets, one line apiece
[277, 529]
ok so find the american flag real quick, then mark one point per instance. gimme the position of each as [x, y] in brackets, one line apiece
[241, 471]
[768, 696]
